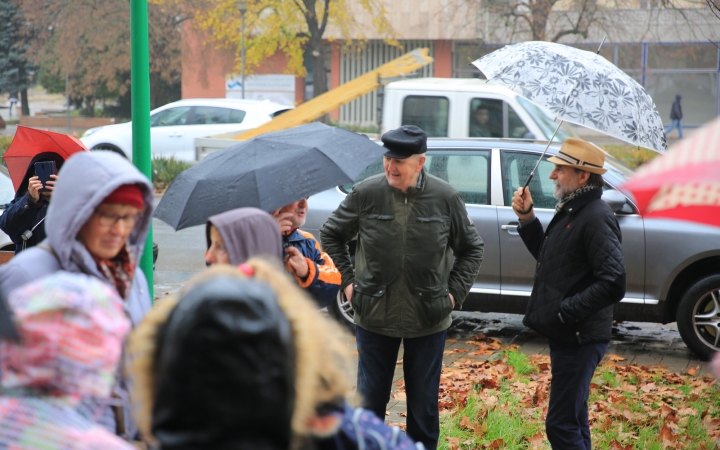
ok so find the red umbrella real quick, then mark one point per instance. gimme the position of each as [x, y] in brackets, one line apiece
[30, 142]
[685, 183]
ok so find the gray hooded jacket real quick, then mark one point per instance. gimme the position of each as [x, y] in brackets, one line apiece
[83, 183]
[247, 232]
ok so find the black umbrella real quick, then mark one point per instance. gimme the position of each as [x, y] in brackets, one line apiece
[267, 172]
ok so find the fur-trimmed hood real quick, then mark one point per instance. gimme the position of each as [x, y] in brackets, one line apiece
[320, 373]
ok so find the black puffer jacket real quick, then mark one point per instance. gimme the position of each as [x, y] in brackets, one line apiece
[580, 272]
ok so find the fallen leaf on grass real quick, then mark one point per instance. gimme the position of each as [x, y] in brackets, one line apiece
[453, 443]
[692, 371]
[535, 442]
[615, 445]
[497, 443]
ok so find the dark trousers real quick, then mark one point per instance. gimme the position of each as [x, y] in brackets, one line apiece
[572, 368]
[422, 363]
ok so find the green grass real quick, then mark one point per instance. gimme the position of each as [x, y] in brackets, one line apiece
[164, 171]
[630, 406]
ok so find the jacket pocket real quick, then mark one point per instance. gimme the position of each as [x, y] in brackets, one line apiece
[433, 303]
[436, 228]
[369, 302]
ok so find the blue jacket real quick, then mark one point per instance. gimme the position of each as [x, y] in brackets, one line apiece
[20, 216]
[323, 280]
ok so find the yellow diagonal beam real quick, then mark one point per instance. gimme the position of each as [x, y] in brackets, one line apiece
[334, 98]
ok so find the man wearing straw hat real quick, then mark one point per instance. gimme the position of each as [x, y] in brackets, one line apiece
[579, 276]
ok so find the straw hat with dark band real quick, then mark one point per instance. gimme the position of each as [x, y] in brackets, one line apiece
[581, 155]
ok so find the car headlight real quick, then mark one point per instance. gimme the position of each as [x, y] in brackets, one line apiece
[91, 131]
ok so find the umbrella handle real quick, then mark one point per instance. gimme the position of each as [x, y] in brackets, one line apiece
[528, 180]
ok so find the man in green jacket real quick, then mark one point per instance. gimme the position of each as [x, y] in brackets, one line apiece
[409, 226]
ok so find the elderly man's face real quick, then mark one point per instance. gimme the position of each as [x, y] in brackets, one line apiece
[299, 212]
[402, 173]
[567, 180]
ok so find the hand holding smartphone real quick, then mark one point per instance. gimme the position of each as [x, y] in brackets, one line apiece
[43, 170]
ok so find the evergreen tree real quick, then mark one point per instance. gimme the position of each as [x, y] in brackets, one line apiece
[16, 72]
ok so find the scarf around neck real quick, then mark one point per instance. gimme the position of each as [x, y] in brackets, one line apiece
[576, 193]
[119, 270]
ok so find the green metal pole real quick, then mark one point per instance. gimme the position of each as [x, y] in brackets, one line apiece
[140, 79]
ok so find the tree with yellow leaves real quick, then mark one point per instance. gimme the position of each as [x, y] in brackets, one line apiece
[288, 26]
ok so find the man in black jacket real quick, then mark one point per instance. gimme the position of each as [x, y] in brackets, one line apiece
[580, 275]
[676, 116]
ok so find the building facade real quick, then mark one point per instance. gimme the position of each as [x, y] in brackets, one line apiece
[669, 51]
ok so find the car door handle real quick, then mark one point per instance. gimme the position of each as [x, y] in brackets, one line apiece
[510, 228]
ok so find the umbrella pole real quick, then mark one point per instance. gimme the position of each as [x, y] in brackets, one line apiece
[541, 156]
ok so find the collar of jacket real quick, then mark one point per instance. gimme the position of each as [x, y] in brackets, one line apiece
[295, 236]
[576, 204]
[413, 190]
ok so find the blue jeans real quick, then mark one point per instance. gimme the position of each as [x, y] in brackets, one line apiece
[674, 124]
[422, 363]
[572, 367]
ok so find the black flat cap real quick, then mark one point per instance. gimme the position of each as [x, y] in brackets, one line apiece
[404, 142]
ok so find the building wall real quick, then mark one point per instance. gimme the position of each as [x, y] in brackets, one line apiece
[204, 67]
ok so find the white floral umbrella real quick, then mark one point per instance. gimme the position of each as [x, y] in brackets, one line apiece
[579, 87]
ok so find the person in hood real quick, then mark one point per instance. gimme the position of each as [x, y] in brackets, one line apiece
[276, 377]
[305, 260]
[676, 116]
[72, 328]
[96, 225]
[23, 218]
[235, 236]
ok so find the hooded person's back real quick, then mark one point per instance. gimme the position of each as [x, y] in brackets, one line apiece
[72, 328]
[84, 181]
[221, 369]
[247, 232]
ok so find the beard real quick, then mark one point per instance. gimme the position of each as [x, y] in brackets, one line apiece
[563, 190]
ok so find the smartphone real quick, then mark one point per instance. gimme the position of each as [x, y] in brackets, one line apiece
[43, 170]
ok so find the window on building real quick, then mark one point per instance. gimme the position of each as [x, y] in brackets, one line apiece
[429, 113]
[684, 56]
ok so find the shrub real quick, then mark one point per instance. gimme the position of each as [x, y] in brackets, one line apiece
[4, 144]
[630, 155]
[164, 171]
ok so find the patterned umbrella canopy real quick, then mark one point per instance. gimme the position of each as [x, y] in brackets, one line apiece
[579, 87]
[683, 184]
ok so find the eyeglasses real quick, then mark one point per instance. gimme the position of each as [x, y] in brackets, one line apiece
[109, 220]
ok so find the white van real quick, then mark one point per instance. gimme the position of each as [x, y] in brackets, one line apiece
[466, 107]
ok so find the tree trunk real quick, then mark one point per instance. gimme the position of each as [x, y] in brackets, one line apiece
[90, 106]
[539, 12]
[25, 104]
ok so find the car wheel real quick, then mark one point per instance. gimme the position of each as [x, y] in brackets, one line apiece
[698, 317]
[341, 311]
[110, 148]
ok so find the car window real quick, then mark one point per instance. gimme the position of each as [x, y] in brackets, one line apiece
[516, 168]
[211, 115]
[466, 171]
[169, 117]
[7, 191]
[516, 127]
[486, 118]
[236, 116]
[429, 113]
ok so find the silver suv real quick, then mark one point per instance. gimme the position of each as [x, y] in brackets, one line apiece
[673, 268]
